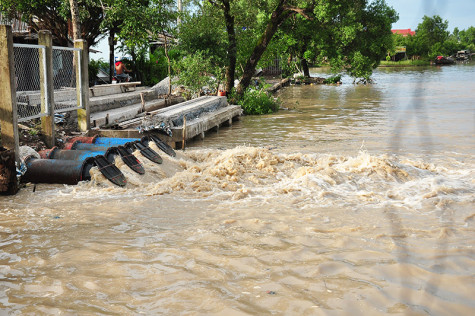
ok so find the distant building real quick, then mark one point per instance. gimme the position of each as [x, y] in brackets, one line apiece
[22, 32]
[404, 32]
[17, 25]
[400, 54]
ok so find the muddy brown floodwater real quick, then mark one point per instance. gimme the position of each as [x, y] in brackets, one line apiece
[352, 200]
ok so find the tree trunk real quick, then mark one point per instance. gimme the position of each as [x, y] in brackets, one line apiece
[134, 61]
[76, 35]
[232, 51]
[303, 61]
[278, 16]
[75, 19]
[8, 177]
[169, 65]
[111, 55]
[304, 64]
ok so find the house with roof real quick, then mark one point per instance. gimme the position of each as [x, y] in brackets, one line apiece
[404, 32]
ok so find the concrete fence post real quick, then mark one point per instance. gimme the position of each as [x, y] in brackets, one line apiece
[8, 114]
[46, 86]
[8, 106]
[82, 84]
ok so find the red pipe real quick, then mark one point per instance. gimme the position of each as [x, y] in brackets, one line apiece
[48, 153]
[82, 139]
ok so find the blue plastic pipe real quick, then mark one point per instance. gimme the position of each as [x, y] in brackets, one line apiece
[91, 147]
[57, 171]
[82, 154]
[109, 141]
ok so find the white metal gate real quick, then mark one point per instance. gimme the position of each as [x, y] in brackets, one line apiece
[29, 61]
[65, 60]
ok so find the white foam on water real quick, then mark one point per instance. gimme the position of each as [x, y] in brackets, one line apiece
[376, 180]
[315, 179]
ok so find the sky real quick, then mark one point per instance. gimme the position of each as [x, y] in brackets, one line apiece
[459, 13]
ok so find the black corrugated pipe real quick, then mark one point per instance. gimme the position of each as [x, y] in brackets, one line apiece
[57, 171]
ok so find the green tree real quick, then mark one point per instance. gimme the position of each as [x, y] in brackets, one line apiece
[54, 15]
[281, 11]
[352, 34]
[204, 32]
[192, 71]
[467, 38]
[430, 37]
[145, 21]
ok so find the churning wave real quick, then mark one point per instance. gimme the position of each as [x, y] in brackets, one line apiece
[323, 179]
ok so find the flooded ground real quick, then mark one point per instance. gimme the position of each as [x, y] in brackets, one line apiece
[352, 200]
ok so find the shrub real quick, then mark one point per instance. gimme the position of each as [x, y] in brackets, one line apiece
[153, 68]
[257, 101]
[333, 79]
[194, 72]
[93, 70]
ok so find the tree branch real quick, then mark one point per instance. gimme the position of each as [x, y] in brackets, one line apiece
[303, 12]
[216, 4]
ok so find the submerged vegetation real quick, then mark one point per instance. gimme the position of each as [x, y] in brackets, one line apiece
[256, 100]
[333, 79]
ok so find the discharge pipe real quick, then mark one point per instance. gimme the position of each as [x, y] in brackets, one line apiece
[130, 146]
[111, 141]
[57, 171]
[56, 153]
[70, 171]
[109, 152]
[146, 151]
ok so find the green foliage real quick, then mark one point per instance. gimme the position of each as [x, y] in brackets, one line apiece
[433, 39]
[152, 68]
[33, 132]
[333, 79]
[372, 41]
[361, 66]
[288, 68]
[431, 33]
[467, 37]
[141, 21]
[405, 63]
[93, 69]
[54, 15]
[204, 33]
[256, 102]
[351, 35]
[194, 71]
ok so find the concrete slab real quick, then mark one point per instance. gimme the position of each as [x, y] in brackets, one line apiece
[206, 122]
[113, 89]
[107, 102]
[129, 112]
[115, 115]
[107, 97]
[194, 128]
[202, 115]
[34, 97]
[190, 109]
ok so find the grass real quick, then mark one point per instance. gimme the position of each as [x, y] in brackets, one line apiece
[404, 63]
